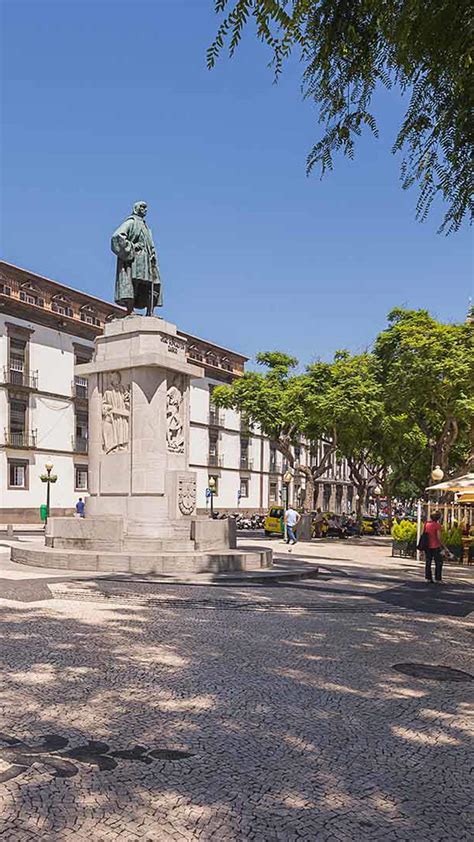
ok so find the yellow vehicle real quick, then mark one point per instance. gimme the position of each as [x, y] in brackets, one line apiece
[274, 521]
[373, 526]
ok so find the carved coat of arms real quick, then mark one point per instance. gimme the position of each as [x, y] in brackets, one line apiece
[187, 495]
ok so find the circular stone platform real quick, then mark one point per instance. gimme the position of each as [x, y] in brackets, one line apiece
[166, 564]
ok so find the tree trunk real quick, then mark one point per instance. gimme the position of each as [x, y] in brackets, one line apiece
[389, 511]
[309, 487]
[361, 489]
[445, 442]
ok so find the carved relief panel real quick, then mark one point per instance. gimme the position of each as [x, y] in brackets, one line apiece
[175, 415]
[187, 495]
[115, 414]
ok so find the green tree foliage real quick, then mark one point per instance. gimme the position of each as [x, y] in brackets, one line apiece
[427, 372]
[349, 48]
[393, 413]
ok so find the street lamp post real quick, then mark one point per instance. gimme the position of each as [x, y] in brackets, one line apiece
[287, 477]
[377, 492]
[48, 478]
[212, 489]
[437, 475]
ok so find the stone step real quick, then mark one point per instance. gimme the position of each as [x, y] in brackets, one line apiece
[168, 564]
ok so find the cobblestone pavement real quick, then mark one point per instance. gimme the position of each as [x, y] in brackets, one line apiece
[132, 710]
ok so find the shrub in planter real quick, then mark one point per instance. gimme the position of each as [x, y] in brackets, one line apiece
[404, 531]
[452, 540]
[404, 539]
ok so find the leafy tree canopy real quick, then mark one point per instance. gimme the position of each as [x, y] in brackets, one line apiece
[427, 372]
[348, 48]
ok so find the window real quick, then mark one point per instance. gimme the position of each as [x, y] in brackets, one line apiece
[244, 454]
[5, 290]
[80, 473]
[61, 309]
[195, 353]
[18, 417]
[339, 491]
[273, 494]
[216, 486]
[277, 513]
[17, 474]
[29, 297]
[244, 487]
[350, 498]
[298, 453]
[273, 459]
[81, 432]
[17, 361]
[327, 496]
[88, 315]
[327, 448]
[213, 448]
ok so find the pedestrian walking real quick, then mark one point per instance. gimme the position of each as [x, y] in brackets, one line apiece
[431, 544]
[292, 518]
[80, 507]
[318, 523]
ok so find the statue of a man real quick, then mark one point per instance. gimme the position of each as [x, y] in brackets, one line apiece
[137, 282]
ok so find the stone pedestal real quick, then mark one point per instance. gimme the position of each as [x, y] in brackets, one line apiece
[141, 512]
[139, 429]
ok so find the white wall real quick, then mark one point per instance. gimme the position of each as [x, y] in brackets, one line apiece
[51, 353]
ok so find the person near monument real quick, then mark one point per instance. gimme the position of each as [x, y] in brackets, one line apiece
[137, 282]
[291, 520]
[80, 507]
[433, 550]
[318, 523]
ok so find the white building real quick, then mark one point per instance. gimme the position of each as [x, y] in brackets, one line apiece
[45, 329]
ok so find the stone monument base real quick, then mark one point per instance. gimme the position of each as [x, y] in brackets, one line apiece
[203, 546]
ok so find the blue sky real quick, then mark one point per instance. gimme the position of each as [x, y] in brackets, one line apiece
[110, 101]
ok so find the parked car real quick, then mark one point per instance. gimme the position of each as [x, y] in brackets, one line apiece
[274, 521]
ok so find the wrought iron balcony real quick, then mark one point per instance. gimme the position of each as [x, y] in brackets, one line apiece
[246, 464]
[79, 444]
[216, 417]
[21, 438]
[215, 461]
[245, 424]
[18, 377]
[79, 388]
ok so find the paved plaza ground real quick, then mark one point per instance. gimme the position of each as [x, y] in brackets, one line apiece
[134, 710]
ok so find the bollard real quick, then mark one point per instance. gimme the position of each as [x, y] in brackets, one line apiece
[9, 530]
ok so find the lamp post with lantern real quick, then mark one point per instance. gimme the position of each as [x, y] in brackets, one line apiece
[287, 477]
[212, 488]
[377, 491]
[437, 475]
[48, 478]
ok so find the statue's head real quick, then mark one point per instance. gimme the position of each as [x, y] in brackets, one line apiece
[115, 378]
[140, 208]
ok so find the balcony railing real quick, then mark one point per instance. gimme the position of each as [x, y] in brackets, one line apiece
[79, 388]
[18, 377]
[21, 438]
[246, 464]
[216, 418]
[79, 444]
[214, 460]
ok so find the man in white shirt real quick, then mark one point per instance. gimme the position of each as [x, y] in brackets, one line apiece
[291, 520]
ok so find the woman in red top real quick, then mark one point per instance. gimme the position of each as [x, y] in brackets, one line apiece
[433, 530]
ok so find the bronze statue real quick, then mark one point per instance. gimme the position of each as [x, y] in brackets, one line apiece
[137, 282]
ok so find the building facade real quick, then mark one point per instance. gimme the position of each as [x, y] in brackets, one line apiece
[46, 328]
